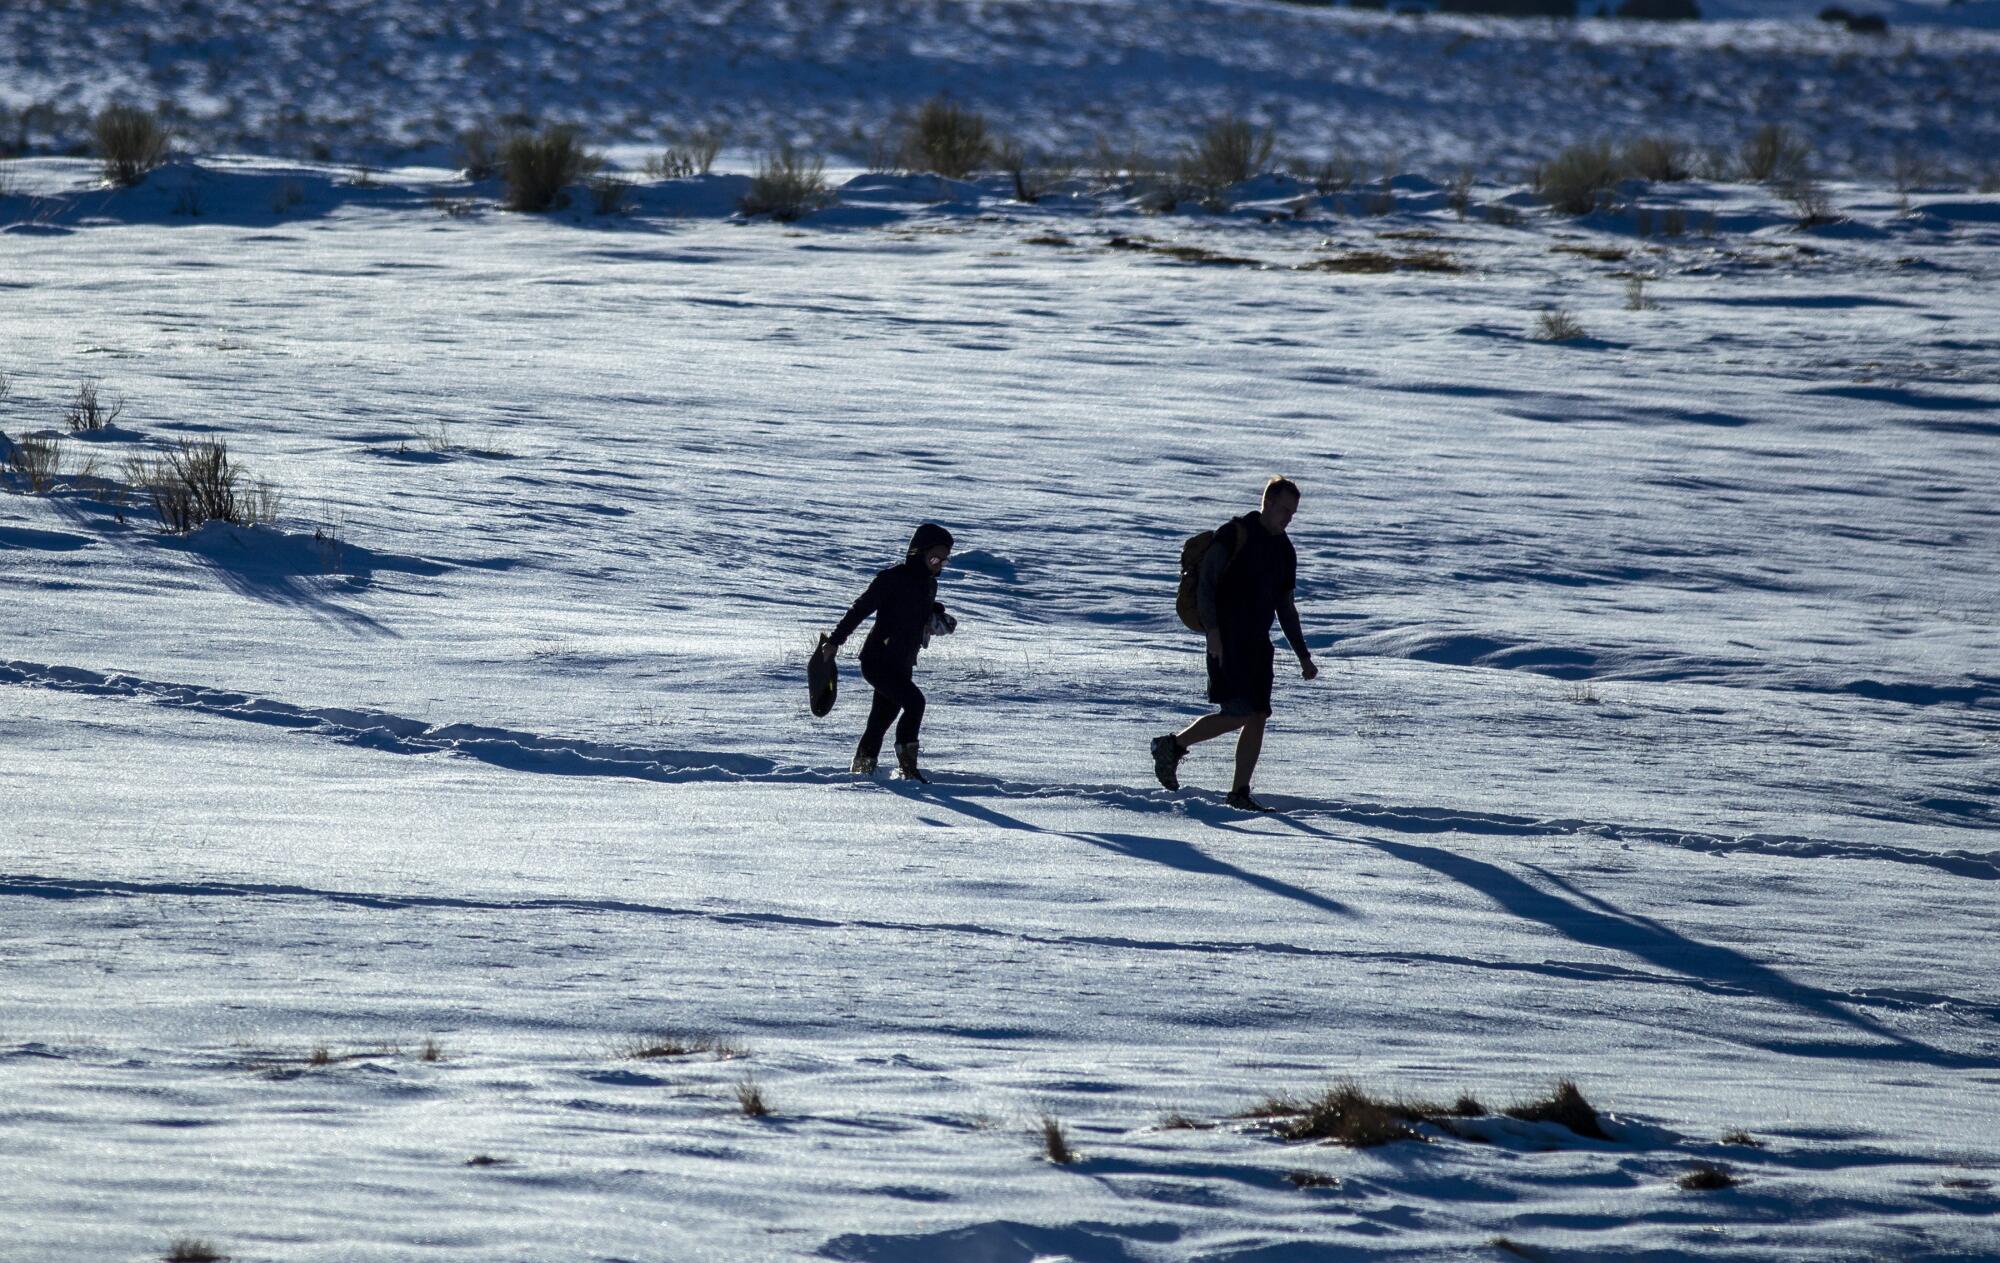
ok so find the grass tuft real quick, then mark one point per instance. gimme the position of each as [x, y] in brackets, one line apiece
[485, 1160]
[1515, 1248]
[1176, 1120]
[130, 142]
[1742, 1138]
[750, 1099]
[1772, 155]
[788, 184]
[36, 458]
[192, 1250]
[1374, 261]
[1055, 1141]
[87, 412]
[1706, 1177]
[431, 1051]
[1577, 180]
[681, 1044]
[1558, 326]
[1312, 1179]
[1564, 1105]
[539, 166]
[1346, 1115]
[1229, 151]
[948, 139]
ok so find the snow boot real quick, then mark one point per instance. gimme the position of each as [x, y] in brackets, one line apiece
[1167, 756]
[906, 762]
[1240, 799]
[863, 765]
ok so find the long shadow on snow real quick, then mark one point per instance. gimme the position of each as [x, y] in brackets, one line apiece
[518, 751]
[1170, 852]
[1587, 919]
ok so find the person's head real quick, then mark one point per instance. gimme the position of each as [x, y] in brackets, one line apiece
[1281, 501]
[930, 545]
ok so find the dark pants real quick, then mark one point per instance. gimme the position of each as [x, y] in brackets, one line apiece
[895, 692]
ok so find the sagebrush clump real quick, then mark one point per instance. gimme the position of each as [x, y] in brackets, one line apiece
[788, 184]
[948, 139]
[1577, 180]
[1229, 151]
[539, 166]
[130, 142]
[196, 482]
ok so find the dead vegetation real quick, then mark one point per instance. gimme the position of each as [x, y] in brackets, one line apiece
[1706, 1177]
[751, 1100]
[1345, 1114]
[1564, 1105]
[196, 482]
[1183, 254]
[130, 142]
[1311, 1179]
[788, 184]
[86, 412]
[1374, 261]
[948, 139]
[670, 1044]
[193, 1250]
[1055, 1141]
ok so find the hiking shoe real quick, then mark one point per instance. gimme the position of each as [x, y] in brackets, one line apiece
[1167, 756]
[906, 762]
[1240, 799]
[863, 765]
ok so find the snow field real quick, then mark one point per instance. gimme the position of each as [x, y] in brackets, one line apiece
[1654, 746]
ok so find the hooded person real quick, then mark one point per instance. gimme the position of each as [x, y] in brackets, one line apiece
[904, 601]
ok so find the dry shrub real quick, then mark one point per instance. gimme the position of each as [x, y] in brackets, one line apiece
[1744, 1138]
[1229, 151]
[1564, 1105]
[86, 412]
[1772, 154]
[1660, 158]
[1328, 177]
[193, 1250]
[196, 482]
[431, 1051]
[610, 194]
[681, 1044]
[1312, 1179]
[1458, 192]
[36, 458]
[1055, 1141]
[788, 184]
[693, 154]
[1033, 177]
[479, 150]
[948, 139]
[1558, 326]
[1809, 200]
[540, 165]
[1576, 180]
[1177, 1120]
[750, 1099]
[1706, 1177]
[130, 142]
[1346, 1115]
[1368, 261]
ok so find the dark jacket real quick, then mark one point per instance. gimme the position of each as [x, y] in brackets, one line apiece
[1247, 581]
[902, 599]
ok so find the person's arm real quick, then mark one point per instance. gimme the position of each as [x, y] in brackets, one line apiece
[1208, 584]
[870, 600]
[1288, 618]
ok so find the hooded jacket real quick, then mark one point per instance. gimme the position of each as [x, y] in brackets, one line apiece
[902, 599]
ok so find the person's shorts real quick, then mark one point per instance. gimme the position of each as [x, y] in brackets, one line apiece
[1243, 687]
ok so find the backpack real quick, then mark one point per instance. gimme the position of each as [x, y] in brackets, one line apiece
[1193, 552]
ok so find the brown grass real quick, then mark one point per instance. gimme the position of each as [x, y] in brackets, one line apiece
[1055, 1141]
[192, 1250]
[1743, 1138]
[1374, 261]
[1312, 1179]
[1175, 1120]
[1563, 1105]
[1346, 1115]
[1184, 254]
[667, 1044]
[1706, 1177]
[751, 1100]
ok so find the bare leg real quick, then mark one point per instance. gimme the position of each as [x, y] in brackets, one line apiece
[1248, 746]
[1210, 726]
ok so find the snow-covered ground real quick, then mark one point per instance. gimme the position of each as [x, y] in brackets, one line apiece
[1657, 745]
[369, 79]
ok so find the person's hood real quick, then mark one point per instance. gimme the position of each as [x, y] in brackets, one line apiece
[928, 536]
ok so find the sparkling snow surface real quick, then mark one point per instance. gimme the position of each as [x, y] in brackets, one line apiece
[1657, 743]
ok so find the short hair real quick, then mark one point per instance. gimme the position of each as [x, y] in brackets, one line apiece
[1280, 486]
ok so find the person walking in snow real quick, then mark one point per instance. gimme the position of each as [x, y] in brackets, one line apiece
[903, 600]
[1245, 581]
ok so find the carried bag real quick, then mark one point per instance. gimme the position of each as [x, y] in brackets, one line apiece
[1194, 551]
[822, 679]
